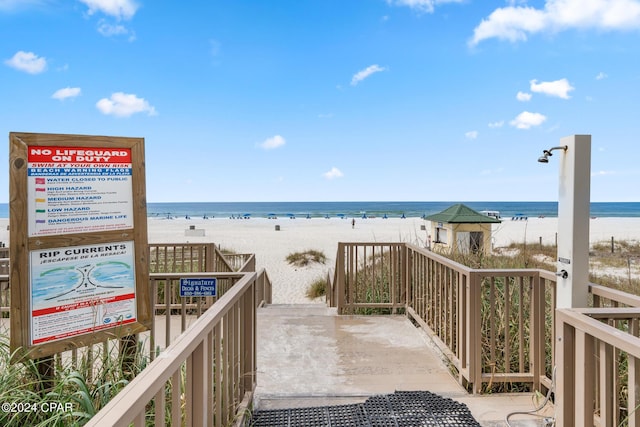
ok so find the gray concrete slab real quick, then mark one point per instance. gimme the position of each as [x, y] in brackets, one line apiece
[310, 356]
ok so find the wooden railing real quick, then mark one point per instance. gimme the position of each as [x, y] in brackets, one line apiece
[169, 306]
[241, 262]
[371, 276]
[598, 370]
[184, 261]
[494, 326]
[469, 312]
[203, 377]
[185, 257]
[438, 300]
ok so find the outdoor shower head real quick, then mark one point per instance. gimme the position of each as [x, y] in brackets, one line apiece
[545, 157]
[546, 153]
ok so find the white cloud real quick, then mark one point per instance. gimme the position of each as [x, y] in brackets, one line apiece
[526, 120]
[509, 23]
[333, 173]
[119, 9]
[516, 23]
[472, 134]
[421, 5]
[363, 74]
[559, 88]
[108, 30]
[124, 105]
[523, 96]
[273, 142]
[67, 92]
[28, 62]
[494, 125]
[601, 76]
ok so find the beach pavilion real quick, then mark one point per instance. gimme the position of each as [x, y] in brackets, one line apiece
[461, 229]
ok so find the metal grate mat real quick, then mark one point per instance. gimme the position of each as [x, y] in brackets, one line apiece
[399, 409]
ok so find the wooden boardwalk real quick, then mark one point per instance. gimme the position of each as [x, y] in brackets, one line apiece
[309, 356]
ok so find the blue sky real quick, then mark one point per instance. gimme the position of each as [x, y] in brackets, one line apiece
[334, 100]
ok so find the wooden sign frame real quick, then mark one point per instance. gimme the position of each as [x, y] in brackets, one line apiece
[87, 206]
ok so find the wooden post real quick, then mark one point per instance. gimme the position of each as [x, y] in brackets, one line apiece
[128, 350]
[474, 332]
[340, 282]
[46, 371]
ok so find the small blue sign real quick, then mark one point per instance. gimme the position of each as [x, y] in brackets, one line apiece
[204, 287]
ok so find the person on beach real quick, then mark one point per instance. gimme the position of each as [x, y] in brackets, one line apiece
[353, 223]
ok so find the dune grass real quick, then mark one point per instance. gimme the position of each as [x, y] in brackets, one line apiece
[616, 266]
[78, 390]
[317, 288]
[301, 259]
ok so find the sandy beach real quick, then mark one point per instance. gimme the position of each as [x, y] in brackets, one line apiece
[271, 247]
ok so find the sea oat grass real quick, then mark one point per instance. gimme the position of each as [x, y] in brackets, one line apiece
[317, 288]
[301, 259]
[76, 394]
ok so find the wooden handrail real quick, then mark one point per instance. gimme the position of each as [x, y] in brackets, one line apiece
[194, 346]
[446, 298]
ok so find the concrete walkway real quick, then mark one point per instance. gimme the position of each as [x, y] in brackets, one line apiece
[309, 356]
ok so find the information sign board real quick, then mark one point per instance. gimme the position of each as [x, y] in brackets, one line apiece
[78, 243]
[198, 287]
[78, 190]
[81, 289]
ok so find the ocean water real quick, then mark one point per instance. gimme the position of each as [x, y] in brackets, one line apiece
[371, 209]
[374, 209]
